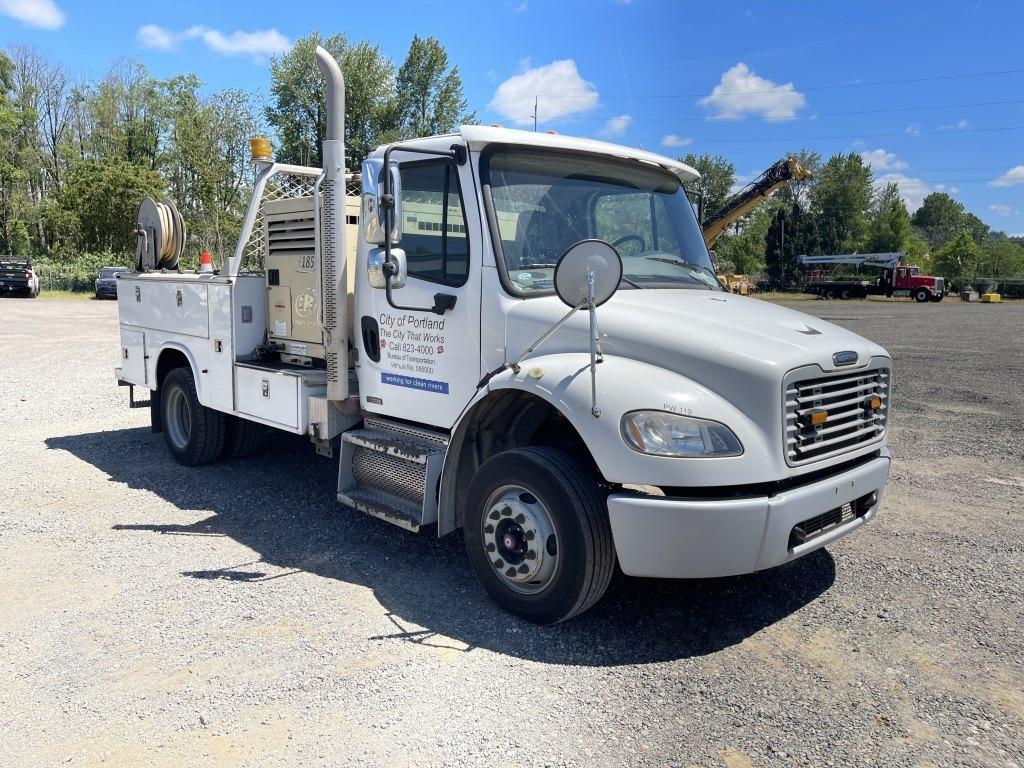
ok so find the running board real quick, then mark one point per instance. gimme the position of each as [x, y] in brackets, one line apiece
[391, 471]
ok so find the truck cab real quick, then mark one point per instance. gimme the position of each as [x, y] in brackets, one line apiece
[521, 337]
[909, 280]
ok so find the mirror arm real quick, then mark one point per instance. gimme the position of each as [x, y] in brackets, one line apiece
[459, 155]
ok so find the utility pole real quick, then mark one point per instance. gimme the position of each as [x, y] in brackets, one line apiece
[535, 114]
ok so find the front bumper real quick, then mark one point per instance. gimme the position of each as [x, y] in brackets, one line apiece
[680, 538]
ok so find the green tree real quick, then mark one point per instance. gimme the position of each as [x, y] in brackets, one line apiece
[104, 198]
[799, 192]
[791, 234]
[1000, 257]
[939, 218]
[890, 228]
[298, 112]
[714, 187]
[958, 258]
[841, 198]
[430, 97]
[745, 250]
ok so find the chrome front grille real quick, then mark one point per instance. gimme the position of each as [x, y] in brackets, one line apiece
[849, 422]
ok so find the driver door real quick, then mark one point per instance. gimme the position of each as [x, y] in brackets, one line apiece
[415, 364]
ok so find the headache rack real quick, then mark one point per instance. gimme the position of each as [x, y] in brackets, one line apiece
[845, 398]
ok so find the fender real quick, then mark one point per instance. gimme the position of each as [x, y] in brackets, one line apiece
[179, 347]
[624, 385]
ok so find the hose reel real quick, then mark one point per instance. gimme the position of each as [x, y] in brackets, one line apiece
[159, 235]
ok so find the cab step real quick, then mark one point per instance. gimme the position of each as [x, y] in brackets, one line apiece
[390, 470]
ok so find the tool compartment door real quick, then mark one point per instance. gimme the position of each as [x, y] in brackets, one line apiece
[268, 395]
[133, 356]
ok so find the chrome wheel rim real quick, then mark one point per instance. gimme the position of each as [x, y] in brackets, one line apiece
[520, 540]
[178, 418]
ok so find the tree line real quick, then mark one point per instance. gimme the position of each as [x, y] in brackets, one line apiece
[842, 210]
[78, 156]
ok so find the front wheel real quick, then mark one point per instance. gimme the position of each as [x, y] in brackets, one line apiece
[922, 295]
[193, 432]
[537, 534]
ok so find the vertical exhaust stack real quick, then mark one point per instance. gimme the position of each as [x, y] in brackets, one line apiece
[332, 246]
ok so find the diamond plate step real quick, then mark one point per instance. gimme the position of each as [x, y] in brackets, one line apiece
[390, 471]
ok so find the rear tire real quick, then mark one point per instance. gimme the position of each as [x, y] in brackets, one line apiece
[845, 294]
[937, 298]
[242, 438]
[922, 295]
[556, 553]
[194, 433]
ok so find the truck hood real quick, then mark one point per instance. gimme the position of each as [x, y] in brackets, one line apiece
[738, 347]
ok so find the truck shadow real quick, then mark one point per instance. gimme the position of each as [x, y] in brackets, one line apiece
[281, 505]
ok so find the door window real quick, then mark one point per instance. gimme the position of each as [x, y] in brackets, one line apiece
[434, 223]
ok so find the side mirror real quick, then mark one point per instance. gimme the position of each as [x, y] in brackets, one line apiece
[376, 273]
[575, 267]
[372, 214]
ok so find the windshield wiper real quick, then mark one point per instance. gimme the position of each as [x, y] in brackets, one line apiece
[538, 266]
[690, 264]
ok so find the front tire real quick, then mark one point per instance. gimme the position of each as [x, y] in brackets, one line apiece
[194, 433]
[537, 534]
[922, 295]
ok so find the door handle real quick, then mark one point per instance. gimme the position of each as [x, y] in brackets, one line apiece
[371, 337]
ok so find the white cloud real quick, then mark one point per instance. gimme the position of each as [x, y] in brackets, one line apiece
[880, 160]
[521, 7]
[1002, 209]
[259, 44]
[43, 14]
[959, 125]
[914, 129]
[741, 92]
[617, 126]
[1013, 176]
[673, 140]
[912, 190]
[152, 36]
[558, 87]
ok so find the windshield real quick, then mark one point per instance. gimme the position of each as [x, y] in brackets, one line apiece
[544, 202]
[109, 271]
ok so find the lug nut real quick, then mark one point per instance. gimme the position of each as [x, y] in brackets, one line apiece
[524, 569]
[499, 564]
[488, 528]
[494, 515]
[490, 547]
[507, 511]
[530, 535]
[510, 572]
[520, 518]
[531, 555]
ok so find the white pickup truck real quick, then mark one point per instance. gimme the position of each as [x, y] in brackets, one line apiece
[521, 336]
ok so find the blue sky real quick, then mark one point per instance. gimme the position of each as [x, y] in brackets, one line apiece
[749, 80]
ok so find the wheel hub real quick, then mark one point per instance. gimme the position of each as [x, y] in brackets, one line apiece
[519, 539]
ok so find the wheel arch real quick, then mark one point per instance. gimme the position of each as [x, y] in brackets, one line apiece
[502, 419]
[175, 355]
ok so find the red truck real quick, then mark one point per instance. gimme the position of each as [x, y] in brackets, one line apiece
[896, 279]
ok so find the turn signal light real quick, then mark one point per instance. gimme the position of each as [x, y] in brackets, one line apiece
[814, 418]
[874, 403]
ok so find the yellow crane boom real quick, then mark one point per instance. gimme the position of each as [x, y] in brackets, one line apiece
[782, 172]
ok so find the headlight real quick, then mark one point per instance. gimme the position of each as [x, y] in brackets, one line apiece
[667, 434]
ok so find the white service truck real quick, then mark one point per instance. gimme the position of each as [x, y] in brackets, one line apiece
[519, 335]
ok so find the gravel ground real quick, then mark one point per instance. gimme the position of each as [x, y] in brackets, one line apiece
[236, 615]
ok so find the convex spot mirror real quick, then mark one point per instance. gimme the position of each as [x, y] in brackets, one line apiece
[372, 214]
[375, 268]
[575, 265]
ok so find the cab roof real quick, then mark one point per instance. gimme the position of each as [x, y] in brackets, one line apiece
[477, 137]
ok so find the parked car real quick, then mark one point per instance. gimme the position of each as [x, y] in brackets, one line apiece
[17, 276]
[106, 282]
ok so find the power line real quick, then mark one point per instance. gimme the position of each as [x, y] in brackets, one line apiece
[803, 117]
[831, 86]
[733, 139]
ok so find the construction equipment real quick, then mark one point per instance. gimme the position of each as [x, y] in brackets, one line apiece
[897, 279]
[743, 202]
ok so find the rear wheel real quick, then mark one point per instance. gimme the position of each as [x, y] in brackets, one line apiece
[922, 294]
[537, 534]
[194, 433]
[845, 294]
[937, 297]
[242, 437]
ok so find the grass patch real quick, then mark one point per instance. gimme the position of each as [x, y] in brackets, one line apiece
[778, 296]
[56, 295]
